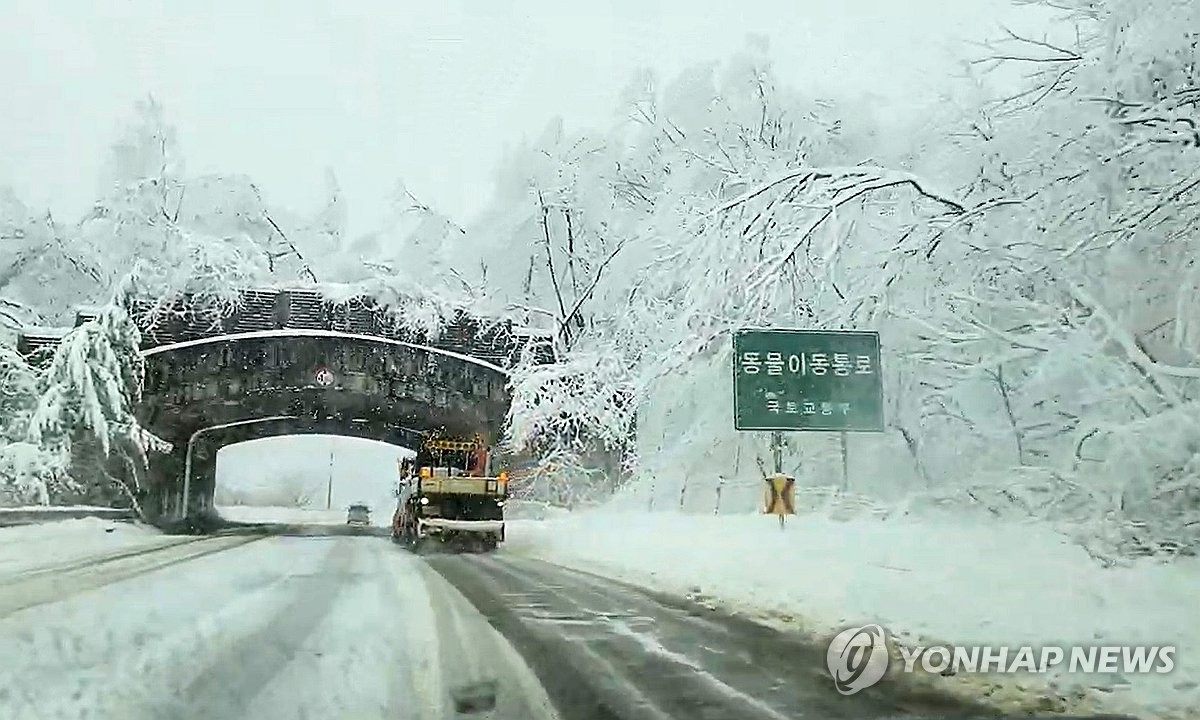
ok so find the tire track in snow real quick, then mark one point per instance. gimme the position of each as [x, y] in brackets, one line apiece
[567, 683]
[358, 660]
[471, 652]
[605, 639]
[122, 650]
[96, 559]
[235, 677]
[611, 626]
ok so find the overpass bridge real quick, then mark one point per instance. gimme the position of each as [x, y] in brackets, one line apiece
[315, 363]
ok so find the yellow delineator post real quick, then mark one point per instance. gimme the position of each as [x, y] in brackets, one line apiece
[780, 496]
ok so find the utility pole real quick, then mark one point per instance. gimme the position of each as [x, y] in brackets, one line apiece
[329, 489]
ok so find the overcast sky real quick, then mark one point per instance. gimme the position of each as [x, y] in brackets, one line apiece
[360, 470]
[382, 89]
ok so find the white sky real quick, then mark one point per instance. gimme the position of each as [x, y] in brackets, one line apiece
[382, 89]
[362, 470]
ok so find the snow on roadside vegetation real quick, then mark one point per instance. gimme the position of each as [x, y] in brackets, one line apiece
[28, 547]
[938, 579]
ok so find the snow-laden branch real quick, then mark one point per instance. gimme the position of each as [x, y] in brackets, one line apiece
[856, 181]
[90, 388]
[846, 184]
[577, 405]
[1127, 342]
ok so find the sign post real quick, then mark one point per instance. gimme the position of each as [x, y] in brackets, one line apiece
[777, 451]
[789, 380]
[845, 462]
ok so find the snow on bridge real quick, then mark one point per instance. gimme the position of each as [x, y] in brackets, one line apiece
[497, 342]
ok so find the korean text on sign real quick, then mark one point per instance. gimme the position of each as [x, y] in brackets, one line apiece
[838, 364]
[794, 407]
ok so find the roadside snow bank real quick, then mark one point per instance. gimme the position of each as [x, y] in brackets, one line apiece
[27, 547]
[927, 581]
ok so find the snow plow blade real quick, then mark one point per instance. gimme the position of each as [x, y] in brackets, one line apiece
[488, 526]
[442, 535]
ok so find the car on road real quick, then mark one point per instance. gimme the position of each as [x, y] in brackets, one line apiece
[358, 515]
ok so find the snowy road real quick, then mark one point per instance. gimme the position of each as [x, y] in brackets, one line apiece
[249, 627]
[333, 627]
[605, 649]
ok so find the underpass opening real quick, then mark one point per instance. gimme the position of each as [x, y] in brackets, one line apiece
[189, 493]
[307, 479]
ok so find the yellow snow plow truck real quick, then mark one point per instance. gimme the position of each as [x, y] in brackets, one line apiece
[449, 496]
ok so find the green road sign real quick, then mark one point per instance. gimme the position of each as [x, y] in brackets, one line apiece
[807, 380]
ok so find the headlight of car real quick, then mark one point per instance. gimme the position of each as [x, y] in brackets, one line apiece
[424, 501]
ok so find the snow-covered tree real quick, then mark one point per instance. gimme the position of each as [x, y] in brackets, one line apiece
[1065, 331]
[323, 235]
[208, 236]
[1037, 315]
[43, 274]
[580, 405]
[723, 201]
[31, 474]
[18, 394]
[28, 472]
[86, 404]
[291, 489]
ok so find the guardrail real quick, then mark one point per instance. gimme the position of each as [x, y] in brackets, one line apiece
[10, 517]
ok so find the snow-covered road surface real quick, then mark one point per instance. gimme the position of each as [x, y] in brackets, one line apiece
[606, 649]
[932, 579]
[333, 627]
[250, 627]
[30, 546]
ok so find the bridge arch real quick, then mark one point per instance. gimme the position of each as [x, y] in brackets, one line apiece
[306, 332]
[314, 382]
[195, 494]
